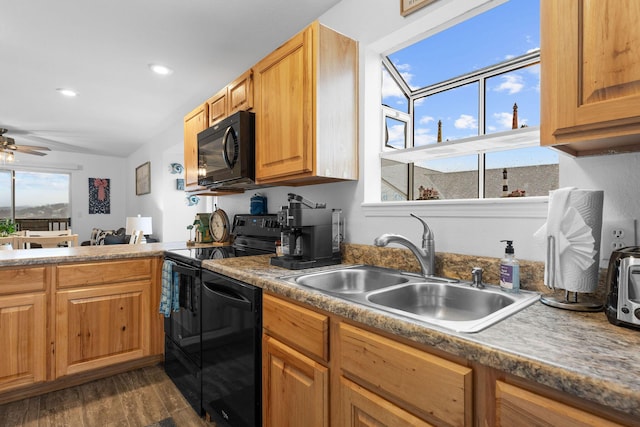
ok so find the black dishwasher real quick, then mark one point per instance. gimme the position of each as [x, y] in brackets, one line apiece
[231, 351]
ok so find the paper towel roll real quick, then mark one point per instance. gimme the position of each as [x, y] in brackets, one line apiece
[572, 233]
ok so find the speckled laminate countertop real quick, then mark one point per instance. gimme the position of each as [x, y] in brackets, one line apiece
[26, 257]
[578, 353]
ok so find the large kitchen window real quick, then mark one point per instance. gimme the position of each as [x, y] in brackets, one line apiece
[472, 92]
[27, 195]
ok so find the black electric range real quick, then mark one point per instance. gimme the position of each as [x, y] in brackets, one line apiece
[213, 343]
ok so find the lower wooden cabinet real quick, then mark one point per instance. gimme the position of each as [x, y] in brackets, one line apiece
[99, 326]
[362, 408]
[437, 389]
[23, 340]
[517, 407]
[23, 326]
[295, 390]
[321, 369]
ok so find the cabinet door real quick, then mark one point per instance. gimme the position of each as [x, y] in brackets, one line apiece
[217, 107]
[23, 325]
[437, 387]
[284, 110]
[516, 407]
[590, 71]
[295, 389]
[194, 123]
[361, 408]
[240, 93]
[101, 325]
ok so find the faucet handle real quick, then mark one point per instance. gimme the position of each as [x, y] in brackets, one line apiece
[427, 234]
[476, 275]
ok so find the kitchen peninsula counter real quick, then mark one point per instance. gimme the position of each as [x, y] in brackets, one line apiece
[29, 257]
[580, 354]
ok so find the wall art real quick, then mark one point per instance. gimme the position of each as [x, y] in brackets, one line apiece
[410, 6]
[99, 196]
[143, 179]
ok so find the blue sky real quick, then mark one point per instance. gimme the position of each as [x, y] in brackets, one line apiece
[504, 32]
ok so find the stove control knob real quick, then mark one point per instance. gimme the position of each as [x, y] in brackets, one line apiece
[625, 310]
[636, 313]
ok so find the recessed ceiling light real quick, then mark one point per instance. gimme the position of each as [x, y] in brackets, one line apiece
[160, 69]
[67, 92]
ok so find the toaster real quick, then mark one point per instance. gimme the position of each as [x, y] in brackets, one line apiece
[622, 306]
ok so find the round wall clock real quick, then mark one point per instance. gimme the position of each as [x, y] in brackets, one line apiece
[219, 226]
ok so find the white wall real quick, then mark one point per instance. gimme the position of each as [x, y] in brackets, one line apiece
[165, 205]
[473, 228]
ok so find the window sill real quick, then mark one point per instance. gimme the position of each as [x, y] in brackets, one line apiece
[501, 141]
[516, 207]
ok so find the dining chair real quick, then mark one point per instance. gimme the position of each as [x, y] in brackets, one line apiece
[136, 237]
[6, 246]
[34, 233]
[10, 240]
[24, 242]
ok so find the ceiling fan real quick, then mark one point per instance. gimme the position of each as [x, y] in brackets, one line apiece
[8, 145]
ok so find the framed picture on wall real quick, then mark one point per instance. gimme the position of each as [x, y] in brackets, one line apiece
[143, 179]
[410, 6]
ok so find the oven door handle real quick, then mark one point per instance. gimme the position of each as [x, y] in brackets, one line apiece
[229, 295]
[188, 271]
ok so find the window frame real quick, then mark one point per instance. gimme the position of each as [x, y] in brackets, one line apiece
[13, 171]
[478, 77]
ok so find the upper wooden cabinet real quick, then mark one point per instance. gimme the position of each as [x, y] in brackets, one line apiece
[306, 110]
[590, 76]
[236, 96]
[194, 123]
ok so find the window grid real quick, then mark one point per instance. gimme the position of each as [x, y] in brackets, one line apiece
[479, 76]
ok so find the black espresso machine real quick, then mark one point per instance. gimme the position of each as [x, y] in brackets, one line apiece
[310, 234]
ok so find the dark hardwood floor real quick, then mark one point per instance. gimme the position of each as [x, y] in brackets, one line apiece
[140, 398]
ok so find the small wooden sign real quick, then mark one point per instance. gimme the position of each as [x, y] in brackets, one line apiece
[410, 6]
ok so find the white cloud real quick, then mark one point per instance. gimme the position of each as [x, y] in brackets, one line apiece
[423, 136]
[466, 121]
[396, 136]
[511, 83]
[389, 87]
[426, 119]
[504, 121]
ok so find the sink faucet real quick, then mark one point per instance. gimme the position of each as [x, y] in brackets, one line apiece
[425, 255]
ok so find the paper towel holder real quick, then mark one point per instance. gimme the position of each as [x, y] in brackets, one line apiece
[567, 302]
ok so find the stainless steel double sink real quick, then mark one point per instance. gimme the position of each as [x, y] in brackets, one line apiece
[438, 301]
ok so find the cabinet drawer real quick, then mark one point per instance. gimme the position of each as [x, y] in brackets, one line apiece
[518, 407]
[433, 385]
[72, 275]
[301, 328]
[16, 280]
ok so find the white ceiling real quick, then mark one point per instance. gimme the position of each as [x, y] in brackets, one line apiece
[102, 50]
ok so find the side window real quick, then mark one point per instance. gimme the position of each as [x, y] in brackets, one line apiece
[40, 197]
[474, 82]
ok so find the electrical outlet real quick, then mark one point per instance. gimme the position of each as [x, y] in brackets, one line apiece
[616, 235]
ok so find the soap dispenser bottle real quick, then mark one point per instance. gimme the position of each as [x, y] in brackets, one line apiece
[509, 269]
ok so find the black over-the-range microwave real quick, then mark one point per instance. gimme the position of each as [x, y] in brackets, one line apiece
[226, 153]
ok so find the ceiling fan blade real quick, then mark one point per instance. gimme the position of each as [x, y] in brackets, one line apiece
[30, 147]
[21, 149]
